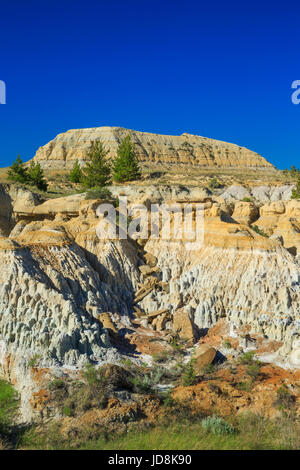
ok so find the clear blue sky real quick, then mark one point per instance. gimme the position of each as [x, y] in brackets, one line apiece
[218, 69]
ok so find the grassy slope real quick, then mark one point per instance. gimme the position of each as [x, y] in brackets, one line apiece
[252, 433]
[174, 174]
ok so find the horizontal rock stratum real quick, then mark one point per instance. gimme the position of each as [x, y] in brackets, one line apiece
[186, 149]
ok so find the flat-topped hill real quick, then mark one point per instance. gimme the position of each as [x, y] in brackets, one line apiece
[185, 149]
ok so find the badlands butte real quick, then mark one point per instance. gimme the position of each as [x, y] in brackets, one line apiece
[185, 149]
[145, 312]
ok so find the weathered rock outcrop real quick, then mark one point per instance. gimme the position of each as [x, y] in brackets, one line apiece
[66, 295]
[236, 274]
[50, 312]
[12, 200]
[282, 219]
[184, 149]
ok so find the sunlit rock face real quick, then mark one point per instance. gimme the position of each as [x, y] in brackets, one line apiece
[194, 150]
[237, 274]
[62, 288]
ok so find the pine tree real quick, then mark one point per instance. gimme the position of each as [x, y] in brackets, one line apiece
[36, 176]
[296, 191]
[125, 167]
[76, 173]
[97, 171]
[17, 172]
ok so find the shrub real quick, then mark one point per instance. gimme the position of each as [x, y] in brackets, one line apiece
[168, 400]
[80, 397]
[33, 361]
[97, 171]
[125, 166]
[36, 176]
[76, 173]
[217, 426]
[93, 376]
[161, 357]
[256, 229]
[17, 172]
[98, 193]
[215, 184]
[142, 384]
[208, 369]
[284, 400]
[56, 384]
[253, 370]
[189, 375]
[33, 175]
[296, 191]
[247, 358]
[245, 386]
[247, 199]
[67, 411]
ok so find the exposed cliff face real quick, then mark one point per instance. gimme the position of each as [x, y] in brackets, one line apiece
[249, 286]
[58, 279]
[150, 148]
[50, 310]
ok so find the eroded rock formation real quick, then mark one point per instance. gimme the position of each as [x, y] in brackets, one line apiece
[194, 150]
[68, 298]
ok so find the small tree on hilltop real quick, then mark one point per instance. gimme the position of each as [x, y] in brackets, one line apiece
[296, 191]
[76, 173]
[17, 172]
[97, 171]
[125, 167]
[36, 176]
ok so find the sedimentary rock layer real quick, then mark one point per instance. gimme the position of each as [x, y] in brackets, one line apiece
[194, 150]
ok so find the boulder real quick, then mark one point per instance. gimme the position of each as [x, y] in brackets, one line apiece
[245, 212]
[183, 325]
[203, 356]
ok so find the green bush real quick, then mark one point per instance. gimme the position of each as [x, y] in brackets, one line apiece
[82, 396]
[285, 400]
[33, 176]
[18, 172]
[253, 370]
[56, 384]
[97, 172]
[36, 176]
[215, 184]
[209, 369]
[189, 375]
[296, 191]
[33, 361]
[142, 384]
[256, 229]
[125, 166]
[217, 426]
[247, 358]
[76, 173]
[98, 193]
[168, 400]
[67, 411]
[245, 386]
[247, 199]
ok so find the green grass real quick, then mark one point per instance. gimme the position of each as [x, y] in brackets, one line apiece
[8, 410]
[251, 432]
